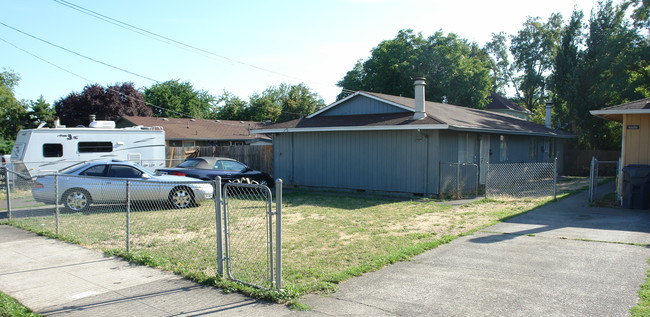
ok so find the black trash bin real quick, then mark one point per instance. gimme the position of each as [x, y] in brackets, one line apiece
[636, 186]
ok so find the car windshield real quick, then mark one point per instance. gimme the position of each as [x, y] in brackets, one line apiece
[189, 163]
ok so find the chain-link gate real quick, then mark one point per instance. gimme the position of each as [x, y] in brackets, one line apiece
[458, 179]
[249, 235]
[516, 180]
[594, 173]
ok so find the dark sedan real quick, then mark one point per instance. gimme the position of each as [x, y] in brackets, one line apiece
[208, 168]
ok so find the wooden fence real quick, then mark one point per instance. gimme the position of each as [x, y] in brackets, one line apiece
[259, 157]
[576, 162]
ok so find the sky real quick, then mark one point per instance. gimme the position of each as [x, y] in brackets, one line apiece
[244, 46]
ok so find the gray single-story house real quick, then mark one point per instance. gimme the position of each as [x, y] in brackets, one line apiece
[378, 142]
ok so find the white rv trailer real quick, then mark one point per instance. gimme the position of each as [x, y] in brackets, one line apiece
[49, 150]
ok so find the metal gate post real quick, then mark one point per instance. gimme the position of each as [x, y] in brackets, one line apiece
[487, 177]
[591, 177]
[619, 183]
[555, 178]
[56, 201]
[128, 216]
[278, 232]
[269, 214]
[218, 215]
[458, 195]
[6, 175]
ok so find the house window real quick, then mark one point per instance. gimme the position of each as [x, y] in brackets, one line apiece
[533, 148]
[188, 143]
[52, 150]
[93, 147]
[503, 146]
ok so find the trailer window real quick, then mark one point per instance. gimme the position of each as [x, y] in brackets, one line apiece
[52, 150]
[90, 147]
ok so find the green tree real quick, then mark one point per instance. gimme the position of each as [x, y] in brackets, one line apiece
[533, 50]
[177, 99]
[605, 67]
[456, 71]
[106, 103]
[13, 113]
[40, 111]
[231, 107]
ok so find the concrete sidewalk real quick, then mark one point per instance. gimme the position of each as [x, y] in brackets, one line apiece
[563, 259]
[55, 278]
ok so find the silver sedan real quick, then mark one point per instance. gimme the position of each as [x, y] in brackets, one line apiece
[106, 182]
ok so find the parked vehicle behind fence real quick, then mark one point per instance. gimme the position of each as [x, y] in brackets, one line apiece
[105, 182]
[208, 168]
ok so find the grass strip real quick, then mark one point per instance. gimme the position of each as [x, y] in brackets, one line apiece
[10, 307]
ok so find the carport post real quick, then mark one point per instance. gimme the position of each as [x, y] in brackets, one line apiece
[6, 175]
[56, 201]
[218, 215]
[278, 232]
[128, 216]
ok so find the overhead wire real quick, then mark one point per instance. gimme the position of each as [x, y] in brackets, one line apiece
[90, 81]
[163, 38]
[78, 54]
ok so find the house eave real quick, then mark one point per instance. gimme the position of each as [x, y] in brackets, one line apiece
[617, 115]
[501, 131]
[356, 128]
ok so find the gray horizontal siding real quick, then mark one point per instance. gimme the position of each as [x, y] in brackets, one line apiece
[380, 160]
[362, 105]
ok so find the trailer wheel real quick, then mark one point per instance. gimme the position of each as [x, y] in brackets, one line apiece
[181, 197]
[76, 199]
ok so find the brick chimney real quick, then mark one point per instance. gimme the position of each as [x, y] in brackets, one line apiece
[420, 110]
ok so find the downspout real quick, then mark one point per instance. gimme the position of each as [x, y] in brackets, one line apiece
[426, 163]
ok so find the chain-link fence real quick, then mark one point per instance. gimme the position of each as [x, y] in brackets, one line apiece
[458, 179]
[518, 180]
[249, 234]
[166, 221]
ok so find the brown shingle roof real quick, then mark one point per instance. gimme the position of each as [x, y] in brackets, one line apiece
[199, 129]
[499, 102]
[616, 113]
[456, 117]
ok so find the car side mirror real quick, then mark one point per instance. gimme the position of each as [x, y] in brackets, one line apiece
[146, 176]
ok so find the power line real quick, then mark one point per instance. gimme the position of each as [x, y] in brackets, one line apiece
[79, 54]
[163, 38]
[90, 81]
[108, 88]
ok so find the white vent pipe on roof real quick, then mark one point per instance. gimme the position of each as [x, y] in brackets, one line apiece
[420, 110]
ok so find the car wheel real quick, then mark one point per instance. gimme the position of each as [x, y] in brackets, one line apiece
[76, 199]
[181, 197]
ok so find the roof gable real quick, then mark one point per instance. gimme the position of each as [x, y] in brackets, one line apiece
[360, 103]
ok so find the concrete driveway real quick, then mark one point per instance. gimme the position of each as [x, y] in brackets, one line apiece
[564, 259]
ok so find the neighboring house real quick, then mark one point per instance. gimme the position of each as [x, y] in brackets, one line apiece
[377, 142]
[182, 132]
[501, 104]
[635, 117]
